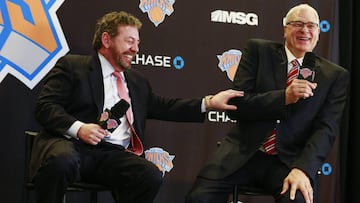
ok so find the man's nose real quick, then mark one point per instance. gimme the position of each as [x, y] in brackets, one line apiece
[135, 48]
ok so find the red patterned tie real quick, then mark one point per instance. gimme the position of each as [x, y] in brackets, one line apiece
[294, 72]
[136, 145]
[269, 144]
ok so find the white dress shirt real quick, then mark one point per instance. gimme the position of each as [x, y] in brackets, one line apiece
[121, 135]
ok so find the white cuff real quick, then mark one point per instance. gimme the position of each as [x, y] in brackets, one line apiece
[73, 130]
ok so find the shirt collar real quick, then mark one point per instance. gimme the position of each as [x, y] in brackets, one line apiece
[291, 57]
[106, 67]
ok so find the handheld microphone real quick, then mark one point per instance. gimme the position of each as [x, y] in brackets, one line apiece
[110, 119]
[306, 71]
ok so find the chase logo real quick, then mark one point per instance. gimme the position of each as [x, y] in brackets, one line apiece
[229, 61]
[219, 117]
[159, 61]
[324, 26]
[157, 9]
[160, 158]
[326, 169]
[31, 39]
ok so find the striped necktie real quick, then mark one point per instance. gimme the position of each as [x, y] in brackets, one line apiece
[269, 144]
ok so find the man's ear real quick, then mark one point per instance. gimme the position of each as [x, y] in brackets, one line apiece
[106, 39]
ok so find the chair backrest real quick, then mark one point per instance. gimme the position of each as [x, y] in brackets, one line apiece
[29, 142]
[75, 187]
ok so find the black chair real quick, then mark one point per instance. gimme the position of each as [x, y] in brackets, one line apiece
[242, 190]
[93, 189]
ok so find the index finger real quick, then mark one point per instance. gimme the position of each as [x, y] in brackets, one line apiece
[236, 92]
[230, 107]
[293, 192]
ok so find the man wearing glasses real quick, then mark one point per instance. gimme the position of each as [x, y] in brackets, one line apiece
[287, 120]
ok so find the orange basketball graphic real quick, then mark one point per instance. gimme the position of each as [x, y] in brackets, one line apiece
[157, 10]
[156, 15]
[229, 61]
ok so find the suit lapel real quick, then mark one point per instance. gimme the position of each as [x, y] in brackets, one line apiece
[280, 67]
[317, 69]
[96, 82]
[133, 89]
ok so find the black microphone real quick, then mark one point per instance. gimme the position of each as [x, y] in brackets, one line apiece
[110, 119]
[306, 71]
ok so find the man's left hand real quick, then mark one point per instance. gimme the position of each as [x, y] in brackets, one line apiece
[298, 180]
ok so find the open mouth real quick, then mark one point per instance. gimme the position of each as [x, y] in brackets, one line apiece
[303, 39]
[128, 58]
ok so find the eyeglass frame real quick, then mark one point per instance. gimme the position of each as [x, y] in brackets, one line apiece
[297, 24]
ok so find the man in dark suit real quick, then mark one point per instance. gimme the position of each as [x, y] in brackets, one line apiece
[303, 117]
[73, 146]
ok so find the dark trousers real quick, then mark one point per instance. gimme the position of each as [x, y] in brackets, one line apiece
[261, 171]
[133, 178]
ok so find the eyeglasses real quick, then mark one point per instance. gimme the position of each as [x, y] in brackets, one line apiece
[299, 25]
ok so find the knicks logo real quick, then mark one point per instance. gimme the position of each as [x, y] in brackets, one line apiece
[160, 158]
[305, 72]
[157, 9]
[31, 39]
[229, 62]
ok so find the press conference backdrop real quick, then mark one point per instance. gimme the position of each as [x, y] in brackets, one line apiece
[188, 49]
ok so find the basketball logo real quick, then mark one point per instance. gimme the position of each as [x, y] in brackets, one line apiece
[157, 9]
[31, 39]
[229, 61]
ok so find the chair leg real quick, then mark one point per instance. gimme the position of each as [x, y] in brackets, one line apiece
[64, 198]
[25, 196]
[235, 194]
[93, 196]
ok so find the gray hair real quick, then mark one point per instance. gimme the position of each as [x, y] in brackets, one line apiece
[297, 8]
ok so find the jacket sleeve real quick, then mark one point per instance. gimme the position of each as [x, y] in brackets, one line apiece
[263, 99]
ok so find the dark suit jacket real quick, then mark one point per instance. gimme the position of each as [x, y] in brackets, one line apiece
[306, 130]
[74, 90]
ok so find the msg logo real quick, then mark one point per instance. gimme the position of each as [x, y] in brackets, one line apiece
[31, 39]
